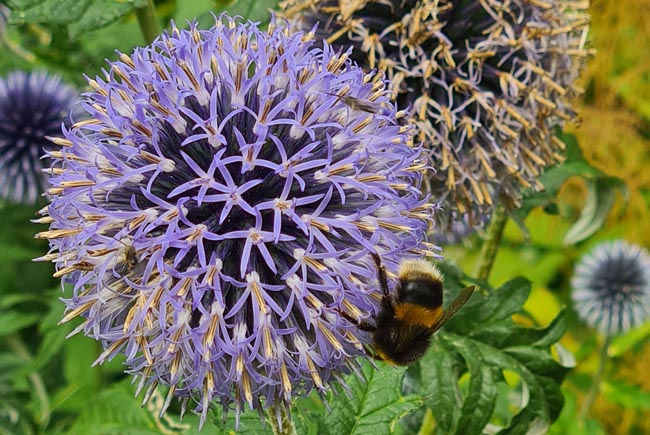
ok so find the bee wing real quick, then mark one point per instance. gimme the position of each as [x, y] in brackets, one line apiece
[456, 305]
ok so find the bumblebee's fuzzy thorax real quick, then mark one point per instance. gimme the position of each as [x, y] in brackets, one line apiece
[419, 292]
[418, 269]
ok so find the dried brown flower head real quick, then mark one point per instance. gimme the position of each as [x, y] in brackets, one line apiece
[487, 82]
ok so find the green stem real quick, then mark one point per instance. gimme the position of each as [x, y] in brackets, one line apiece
[491, 242]
[595, 383]
[18, 347]
[428, 424]
[148, 21]
[283, 427]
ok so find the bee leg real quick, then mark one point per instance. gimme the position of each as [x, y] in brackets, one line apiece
[363, 325]
[383, 281]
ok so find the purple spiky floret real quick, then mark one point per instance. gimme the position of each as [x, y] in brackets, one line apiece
[217, 210]
[32, 106]
[611, 287]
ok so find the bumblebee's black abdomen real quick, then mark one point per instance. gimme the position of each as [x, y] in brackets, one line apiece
[400, 344]
[423, 292]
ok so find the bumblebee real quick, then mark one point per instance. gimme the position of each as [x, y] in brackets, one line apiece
[411, 313]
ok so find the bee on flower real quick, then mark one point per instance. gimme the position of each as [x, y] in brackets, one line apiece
[219, 208]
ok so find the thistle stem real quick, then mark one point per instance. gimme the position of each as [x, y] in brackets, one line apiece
[491, 242]
[280, 420]
[148, 21]
[592, 394]
[18, 347]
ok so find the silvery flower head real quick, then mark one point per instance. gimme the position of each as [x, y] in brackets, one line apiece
[487, 82]
[33, 105]
[611, 287]
[216, 212]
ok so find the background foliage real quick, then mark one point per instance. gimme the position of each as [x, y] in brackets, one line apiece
[502, 347]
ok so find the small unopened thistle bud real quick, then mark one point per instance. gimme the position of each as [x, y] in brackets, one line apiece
[33, 105]
[611, 287]
[458, 229]
[217, 211]
[486, 83]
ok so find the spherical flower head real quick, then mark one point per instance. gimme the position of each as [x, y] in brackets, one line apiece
[217, 210]
[33, 105]
[611, 287]
[486, 83]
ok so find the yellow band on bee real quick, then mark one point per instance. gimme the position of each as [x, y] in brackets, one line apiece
[418, 315]
[381, 356]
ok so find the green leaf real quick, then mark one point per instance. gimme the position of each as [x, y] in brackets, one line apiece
[630, 339]
[100, 14]
[17, 252]
[12, 321]
[306, 422]
[568, 424]
[22, 281]
[375, 403]
[501, 334]
[481, 309]
[189, 10]
[10, 300]
[441, 396]
[78, 15]
[462, 374]
[53, 336]
[249, 424]
[481, 396]
[600, 198]
[115, 410]
[51, 11]
[598, 204]
[254, 10]
[626, 395]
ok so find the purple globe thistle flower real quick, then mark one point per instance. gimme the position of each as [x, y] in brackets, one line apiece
[217, 210]
[611, 287]
[33, 105]
[486, 83]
